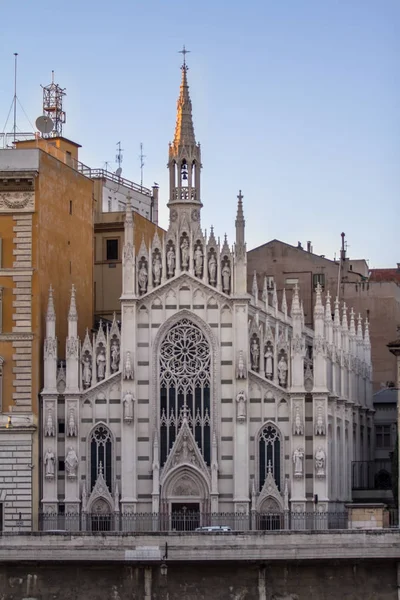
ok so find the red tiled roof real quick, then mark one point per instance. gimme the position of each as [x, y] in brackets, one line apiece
[385, 275]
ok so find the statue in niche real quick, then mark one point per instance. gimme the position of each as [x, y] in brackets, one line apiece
[226, 277]
[142, 277]
[320, 421]
[198, 261]
[298, 456]
[115, 356]
[128, 407]
[101, 364]
[49, 462]
[269, 362]
[72, 429]
[241, 372]
[157, 269]
[49, 431]
[171, 261]
[298, 428]
[320, 459]
[185, 253]
[71, 463]
[128, 369]
[212, 269]
[255, 354]
[282, 371]
[86, 370]
[241, 406]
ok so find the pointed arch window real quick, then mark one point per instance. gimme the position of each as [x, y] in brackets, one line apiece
[185, 382]
[101, 455]
[269, 452]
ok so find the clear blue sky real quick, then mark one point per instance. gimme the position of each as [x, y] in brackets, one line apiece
[296, 102]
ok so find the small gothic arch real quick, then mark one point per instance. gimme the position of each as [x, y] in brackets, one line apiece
[101, 450]
[185, 484]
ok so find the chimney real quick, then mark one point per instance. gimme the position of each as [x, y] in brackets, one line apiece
[300, 247]
[309, 247]
[398, 266]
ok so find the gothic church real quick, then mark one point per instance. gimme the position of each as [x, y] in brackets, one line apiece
[206, 397]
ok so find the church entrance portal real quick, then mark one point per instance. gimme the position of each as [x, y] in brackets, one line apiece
[185, 516]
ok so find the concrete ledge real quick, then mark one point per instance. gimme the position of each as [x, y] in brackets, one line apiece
[194, 547]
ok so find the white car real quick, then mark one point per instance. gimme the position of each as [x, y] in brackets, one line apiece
[214, 528]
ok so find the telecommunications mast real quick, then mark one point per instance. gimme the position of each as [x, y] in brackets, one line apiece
[53, 107]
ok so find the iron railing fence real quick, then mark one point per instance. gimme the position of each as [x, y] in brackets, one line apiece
[371, 475]
[192, 521]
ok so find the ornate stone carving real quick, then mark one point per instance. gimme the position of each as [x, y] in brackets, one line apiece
[226, 277]
[128, 368]
[171, 260]
[269, 361]
[241, 371]
[50, 348]
[49, 430]
[49, 463]
[71, 463]
[12, 201]
[320, 461]
[198, 261]
[115, 356]
[128, 252]
[72, 347]
[320, 428]
[116, 499]
[298, 458]
[157, 268]
[128, 407]
[241, 407]
[84, 497]
[282, 370]
[319, 345]
[101, 363]
[86, 371]
[185, 487]
[298, 425]
[72, 428]
[255, 353]
[298, 345]
[185, 253]
[142, 277]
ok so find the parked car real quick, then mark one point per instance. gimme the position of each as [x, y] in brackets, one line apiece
[214, 528]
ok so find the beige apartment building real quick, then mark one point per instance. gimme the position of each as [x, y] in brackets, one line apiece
[375, 295]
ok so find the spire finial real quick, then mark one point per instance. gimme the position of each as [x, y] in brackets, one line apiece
[184, 52]
[345, 325]
[73, 314]
[51, 313]
[296, 309]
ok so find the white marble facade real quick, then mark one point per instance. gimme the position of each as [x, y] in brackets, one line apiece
[205, 395]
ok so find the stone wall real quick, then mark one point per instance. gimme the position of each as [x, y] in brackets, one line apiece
[229, 581]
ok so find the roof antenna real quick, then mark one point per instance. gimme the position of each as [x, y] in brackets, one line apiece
[15, 95]
[118, 159]
[141, 158]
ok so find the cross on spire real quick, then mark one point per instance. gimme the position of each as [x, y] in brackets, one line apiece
[184, 52]
[240, 197]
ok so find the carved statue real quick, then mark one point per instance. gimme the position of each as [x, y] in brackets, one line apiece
[87, 371]
[226, 277]
[128, 407]
[72, 430]
[49, 431]
[255, 354]
[115, 356]
[142, 277]
[298, 428]
[320, 459]
[241, 372]
[269, 362]
[84, 497]
[157, 269]
[101, 364]
[171, 261]
[198, 261]
[320, 421]
[49, 461]
[71, 463]
[212, 269]
[282, 371]
[298, 456]
[128, 369]
[116, 499]
[241, 406]
[185, 253]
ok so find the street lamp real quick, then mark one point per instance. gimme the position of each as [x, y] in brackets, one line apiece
[394, 348]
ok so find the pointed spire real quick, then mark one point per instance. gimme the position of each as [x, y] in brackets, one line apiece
[240, 225]
[336, 320]
[328, 308]
[265, 290]
[352, 323]
[274, 297]
[73, 314]
[284, 303]
[184, 130]
[318, 309]
[254, 289]
[345, 325]
[51, 313]
[296, 309]
[360, 337]
[302, 314]
[367, 340]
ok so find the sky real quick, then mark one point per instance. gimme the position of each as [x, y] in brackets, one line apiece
[295, 102]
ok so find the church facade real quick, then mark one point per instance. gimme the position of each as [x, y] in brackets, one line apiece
[204, 398]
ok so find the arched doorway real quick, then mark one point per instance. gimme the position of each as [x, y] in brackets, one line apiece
[185, 499]
[270, 515]
[101, 517]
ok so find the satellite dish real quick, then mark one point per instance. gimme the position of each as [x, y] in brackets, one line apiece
[118, 172]
[44, 124]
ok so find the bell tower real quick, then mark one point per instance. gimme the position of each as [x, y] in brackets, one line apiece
[184, 159]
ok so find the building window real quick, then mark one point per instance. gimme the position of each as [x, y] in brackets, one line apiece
[319, 278]
[61, 427]
[185, 387]
[61, 464]
[70, 207]
[100, 455]
[382, 433]
[1, 516]
[112, 249]
[269, 451]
